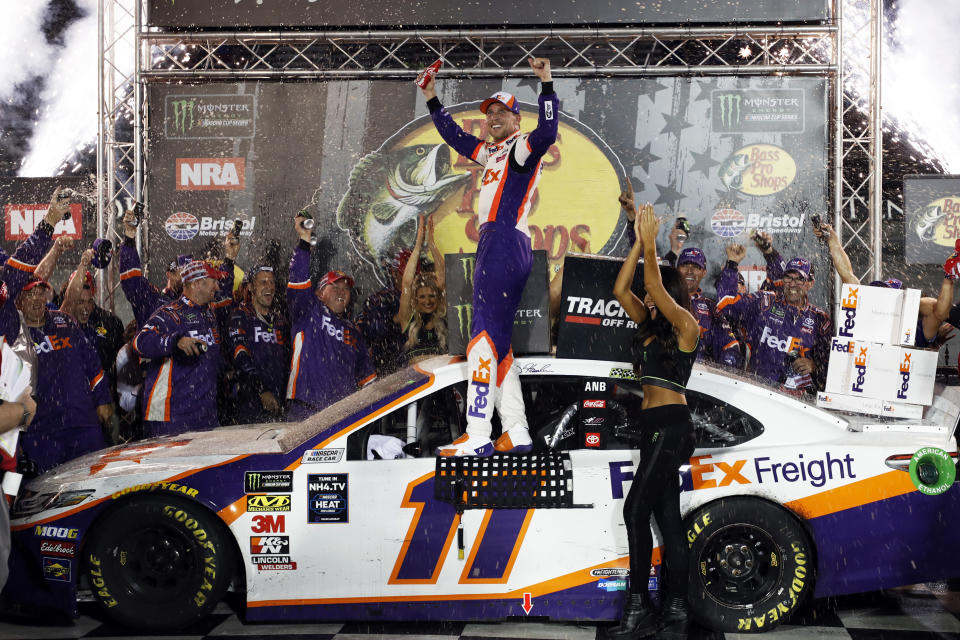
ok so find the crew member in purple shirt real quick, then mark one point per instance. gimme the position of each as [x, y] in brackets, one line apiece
[260, 349]
[73, 395]
[512, 170]
[330, 356]
[182, 342]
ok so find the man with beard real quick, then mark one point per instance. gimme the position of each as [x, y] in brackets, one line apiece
[330, 356]
[182, 341]
[789, 337]
[260, 348]
[69, 414]
[511, 173]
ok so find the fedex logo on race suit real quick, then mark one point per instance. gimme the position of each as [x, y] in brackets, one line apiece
[789, 344]
[343, 335]
[848, 306]
[21, 220]
[480, 379]
[205, 174]
[860, 364]
[52, 343]
[704, 472]
[267, 337]
[207, 337]
[905, 375]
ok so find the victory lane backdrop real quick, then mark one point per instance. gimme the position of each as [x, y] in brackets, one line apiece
[730, 154]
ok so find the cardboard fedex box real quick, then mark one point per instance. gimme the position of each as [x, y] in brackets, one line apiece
[878, 314]
[885, 372]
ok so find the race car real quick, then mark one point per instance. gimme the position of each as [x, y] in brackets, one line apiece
[349, 515]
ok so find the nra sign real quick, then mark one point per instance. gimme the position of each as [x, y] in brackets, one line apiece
[21, 220]
[209, 174]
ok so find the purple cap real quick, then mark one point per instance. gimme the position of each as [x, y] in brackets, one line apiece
[889, 283]
[692, 255]
[801, 266]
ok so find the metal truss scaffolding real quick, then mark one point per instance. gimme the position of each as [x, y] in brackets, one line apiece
[817, 49]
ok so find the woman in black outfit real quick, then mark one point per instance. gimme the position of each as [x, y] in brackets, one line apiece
[665, 347]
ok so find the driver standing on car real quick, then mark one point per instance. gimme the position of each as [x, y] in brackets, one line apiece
[330, 356]
[511, 172]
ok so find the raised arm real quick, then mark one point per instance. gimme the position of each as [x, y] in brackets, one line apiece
[72, 294]
[686, 326]
[299, 288]
[540, 139]
[405, 308]
[439, 265]
[49, 263]
[622, 290]
[841, 261]
[469, 146]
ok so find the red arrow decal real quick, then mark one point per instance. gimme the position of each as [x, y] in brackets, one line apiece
[527, 603]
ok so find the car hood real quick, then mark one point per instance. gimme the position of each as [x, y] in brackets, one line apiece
[189, 450]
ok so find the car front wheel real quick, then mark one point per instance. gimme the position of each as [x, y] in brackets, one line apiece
[751, 564]
[158, 562]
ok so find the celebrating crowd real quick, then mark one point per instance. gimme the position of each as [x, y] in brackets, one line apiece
[207, 351]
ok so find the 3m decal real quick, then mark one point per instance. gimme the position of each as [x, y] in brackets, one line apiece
[432, 531]
[268, 503]
[258, 481]
[269, 524]
[328, 498]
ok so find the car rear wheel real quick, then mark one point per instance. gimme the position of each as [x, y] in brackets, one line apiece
[159, 562]
[751, 565]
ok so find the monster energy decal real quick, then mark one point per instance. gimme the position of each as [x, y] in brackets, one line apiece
[531, 325]
[260, 481]
[766, 111]
[209, 116]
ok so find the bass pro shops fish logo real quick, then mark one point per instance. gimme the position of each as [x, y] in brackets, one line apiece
[938, 221]
[758, 170]
[414, 173]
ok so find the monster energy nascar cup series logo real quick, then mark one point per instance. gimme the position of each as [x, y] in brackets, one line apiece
[209, 116]
[745, 111]
[258, 481]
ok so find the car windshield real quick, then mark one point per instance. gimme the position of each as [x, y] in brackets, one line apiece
[361, 404]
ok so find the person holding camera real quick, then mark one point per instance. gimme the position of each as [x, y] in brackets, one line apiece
[182, 341]
[330, 356]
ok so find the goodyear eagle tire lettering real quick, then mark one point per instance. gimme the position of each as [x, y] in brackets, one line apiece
[159, 563]
[751, 565]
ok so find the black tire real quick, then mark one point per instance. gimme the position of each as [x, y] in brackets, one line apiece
[751, 565]
[158, 562]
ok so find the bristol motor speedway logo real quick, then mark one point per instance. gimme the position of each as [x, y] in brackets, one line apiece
[21, 220]
[728, 223]
[186, 226]
[210, 174]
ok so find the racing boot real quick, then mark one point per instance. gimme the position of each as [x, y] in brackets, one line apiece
[638, 620]
[467, 445]
[674, 615]
[514, 440]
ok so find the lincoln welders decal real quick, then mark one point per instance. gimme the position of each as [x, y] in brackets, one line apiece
[327, 494]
